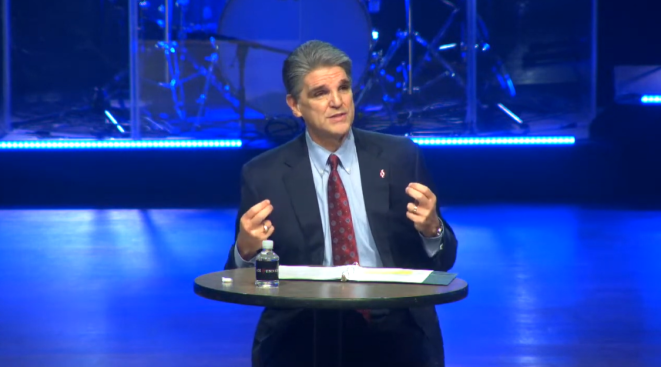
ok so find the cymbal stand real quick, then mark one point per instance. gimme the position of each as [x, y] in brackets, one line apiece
[171, 51]
[481, 42]
[210, 79]
[240, 107]
[409, 37]
[479, 36]
[173, 75]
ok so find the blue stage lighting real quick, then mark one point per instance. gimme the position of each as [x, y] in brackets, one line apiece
[121, 144]
[510, 113]
[229, 144]
[447, 46]
[528, 140]
[651, 99]
[114, 121]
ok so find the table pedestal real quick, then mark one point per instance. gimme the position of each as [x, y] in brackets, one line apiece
[328, 325]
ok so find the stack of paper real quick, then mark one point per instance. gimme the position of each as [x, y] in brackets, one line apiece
[356, 273]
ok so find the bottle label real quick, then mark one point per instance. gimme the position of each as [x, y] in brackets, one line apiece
[266, 270]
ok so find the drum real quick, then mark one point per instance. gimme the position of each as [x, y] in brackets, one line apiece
[285, 24]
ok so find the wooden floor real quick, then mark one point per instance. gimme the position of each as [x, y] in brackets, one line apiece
[549, 286]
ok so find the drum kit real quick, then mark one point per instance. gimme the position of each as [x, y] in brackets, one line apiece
[243, 52]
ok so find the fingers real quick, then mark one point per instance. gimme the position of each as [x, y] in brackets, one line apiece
[419, 197]
[267, 226]
[416, 210]
[256, 215]
[425, 221]
[422, 189]
[269, 232]
[250, 214]
[254, 222]
[417, 220]
[261, 216]
[266, 231]
[254, 230]
[422, 194]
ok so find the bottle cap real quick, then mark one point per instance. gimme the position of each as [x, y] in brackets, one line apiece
[267, 245]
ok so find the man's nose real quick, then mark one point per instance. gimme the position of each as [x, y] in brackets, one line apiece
[335, 99]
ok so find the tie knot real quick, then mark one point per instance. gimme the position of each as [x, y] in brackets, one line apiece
[334, 161]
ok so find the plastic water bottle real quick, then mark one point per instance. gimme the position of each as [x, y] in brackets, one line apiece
[267, 267]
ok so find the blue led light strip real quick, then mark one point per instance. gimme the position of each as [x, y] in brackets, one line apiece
[118, 144]
[650, 99]
[215, 144]
[528, 140]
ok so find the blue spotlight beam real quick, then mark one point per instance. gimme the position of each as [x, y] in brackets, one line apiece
[528, 140]
[120, 144]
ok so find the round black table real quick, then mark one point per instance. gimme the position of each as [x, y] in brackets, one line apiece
[331, 297]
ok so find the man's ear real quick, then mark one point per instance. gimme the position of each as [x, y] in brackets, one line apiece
[291, 102]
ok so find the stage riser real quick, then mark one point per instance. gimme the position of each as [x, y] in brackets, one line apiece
[588, 173]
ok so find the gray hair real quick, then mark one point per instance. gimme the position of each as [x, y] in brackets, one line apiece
[306, 58]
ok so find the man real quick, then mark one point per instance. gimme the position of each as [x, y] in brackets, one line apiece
[338, 195]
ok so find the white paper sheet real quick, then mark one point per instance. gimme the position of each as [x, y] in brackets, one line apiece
[354, 273]
[311, 272]
[388, 275]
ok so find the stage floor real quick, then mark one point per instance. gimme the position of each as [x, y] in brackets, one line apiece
[549, 286]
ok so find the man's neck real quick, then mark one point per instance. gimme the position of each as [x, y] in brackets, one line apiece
[332, 144]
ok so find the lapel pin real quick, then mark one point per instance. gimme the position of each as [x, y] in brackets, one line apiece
[382, 174]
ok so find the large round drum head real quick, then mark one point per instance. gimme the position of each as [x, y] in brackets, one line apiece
[285, 24]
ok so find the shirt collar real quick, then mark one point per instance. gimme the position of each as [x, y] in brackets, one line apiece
[319, 154]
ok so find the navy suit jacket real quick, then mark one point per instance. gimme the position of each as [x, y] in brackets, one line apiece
[284, 176]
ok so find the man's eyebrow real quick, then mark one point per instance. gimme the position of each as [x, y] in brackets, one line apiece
[318, 89]
[323, 87]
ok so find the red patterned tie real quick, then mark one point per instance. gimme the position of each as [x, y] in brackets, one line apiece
[345, 250]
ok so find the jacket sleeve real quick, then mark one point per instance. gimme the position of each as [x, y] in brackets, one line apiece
[444, 259]
[248, 200]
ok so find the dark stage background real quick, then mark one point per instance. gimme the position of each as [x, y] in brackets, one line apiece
[63, 51]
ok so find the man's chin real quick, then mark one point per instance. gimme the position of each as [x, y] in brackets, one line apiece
[335, 131]
[341, 128]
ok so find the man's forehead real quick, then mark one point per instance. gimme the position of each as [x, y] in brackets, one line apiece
[325, 76]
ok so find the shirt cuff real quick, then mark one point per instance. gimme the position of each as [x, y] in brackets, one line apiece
[240, 262]
[434, 244]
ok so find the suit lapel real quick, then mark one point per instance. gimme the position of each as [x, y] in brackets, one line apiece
[300, 187]
[375, 181]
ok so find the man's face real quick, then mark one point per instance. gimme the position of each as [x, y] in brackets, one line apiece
[325, 103]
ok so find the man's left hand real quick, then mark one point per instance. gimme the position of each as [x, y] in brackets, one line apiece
[422, 212]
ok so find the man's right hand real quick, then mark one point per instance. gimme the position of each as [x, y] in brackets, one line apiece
[252, 229]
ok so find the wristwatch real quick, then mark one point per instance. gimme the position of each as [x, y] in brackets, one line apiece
[439, 229]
